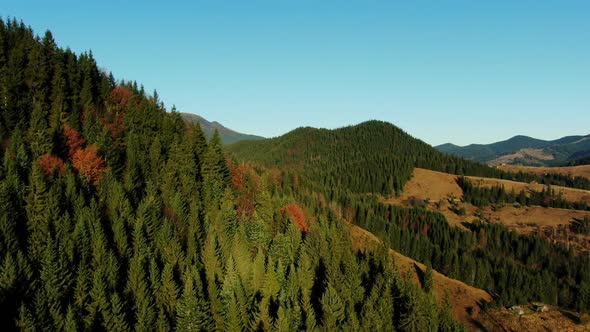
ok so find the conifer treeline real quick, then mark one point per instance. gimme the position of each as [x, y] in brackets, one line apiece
[547, 197]
[116, 216]
[514, 268]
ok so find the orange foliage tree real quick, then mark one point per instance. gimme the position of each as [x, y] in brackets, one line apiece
[296, 214]
[120, 97]
[276, 175]
[238, 174]
[246, 183]
[115, 121]
[49, 163]
[115, 124]
[74, 141]
[89, 164]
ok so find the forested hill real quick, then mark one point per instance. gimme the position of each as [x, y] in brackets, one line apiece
[373, 156]
[116, 216]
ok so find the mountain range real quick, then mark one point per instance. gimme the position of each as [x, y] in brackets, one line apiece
[524, 150]
[228, 136]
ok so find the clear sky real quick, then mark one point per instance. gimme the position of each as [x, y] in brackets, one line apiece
[444, 71]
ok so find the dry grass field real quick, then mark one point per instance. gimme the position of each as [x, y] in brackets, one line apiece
[533, 156]
[436, 189]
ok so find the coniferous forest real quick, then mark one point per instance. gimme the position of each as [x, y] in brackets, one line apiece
[353, 166]
[116, 216]
[547, 197]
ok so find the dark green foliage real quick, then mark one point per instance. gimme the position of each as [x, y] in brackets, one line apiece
[581, 226]
[165, 239]
[372, 157]
[483, 196]
[337, 168]
[582, 158]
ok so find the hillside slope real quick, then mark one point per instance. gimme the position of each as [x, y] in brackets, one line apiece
[435, 191]
[467, 300]
[461, 295]
[228, 136]
[373, 156]
[579, 158]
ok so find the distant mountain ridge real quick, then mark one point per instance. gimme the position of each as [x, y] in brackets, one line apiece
[228, 136]
[523, 150]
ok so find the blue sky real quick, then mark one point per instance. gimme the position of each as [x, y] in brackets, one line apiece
[444, 71]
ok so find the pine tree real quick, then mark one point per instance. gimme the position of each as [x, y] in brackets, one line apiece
[71, 324]
[446, 323]
[39, 134]
[412, 317]
[115, 319]
[216, 175]
[334, 310]
[38, 224]
[192, 312]
[167, 294]
[25, 321]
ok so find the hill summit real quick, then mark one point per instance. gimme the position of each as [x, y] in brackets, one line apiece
[228, 136]
[373, 156]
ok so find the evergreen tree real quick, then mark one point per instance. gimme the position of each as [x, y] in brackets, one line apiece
[334, 310]
[215, 172]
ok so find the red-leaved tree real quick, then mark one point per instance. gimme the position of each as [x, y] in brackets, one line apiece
[238, 174]
[246, 183]
[296, 214]
[89, 164]
[74, 141]
[49, 163]
[120, 97]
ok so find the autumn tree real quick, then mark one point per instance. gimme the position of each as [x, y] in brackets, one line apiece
[50, 163]
[89, 164]
[295, 212]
